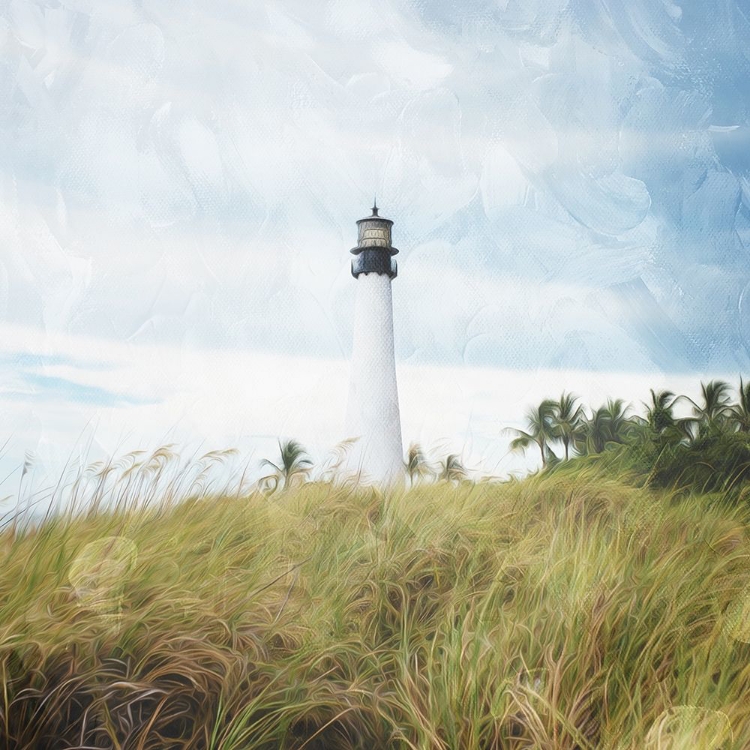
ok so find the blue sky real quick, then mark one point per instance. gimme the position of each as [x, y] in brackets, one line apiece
[570, 182]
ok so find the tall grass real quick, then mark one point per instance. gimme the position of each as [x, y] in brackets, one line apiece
[566, 611]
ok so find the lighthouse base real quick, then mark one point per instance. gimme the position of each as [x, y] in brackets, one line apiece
[373, 415]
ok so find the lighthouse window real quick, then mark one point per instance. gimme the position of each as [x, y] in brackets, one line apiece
[376, 235]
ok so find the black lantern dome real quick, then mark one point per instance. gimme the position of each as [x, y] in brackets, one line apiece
[374, 251]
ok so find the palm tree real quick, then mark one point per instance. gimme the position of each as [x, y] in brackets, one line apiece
[712, 413]
[540, 429]
[739, 413]
[660, 412]
[294, 463]
[595, 431]
[452, 469]
[661, 423]
[416, 463]
[566, 422]
[620, 426]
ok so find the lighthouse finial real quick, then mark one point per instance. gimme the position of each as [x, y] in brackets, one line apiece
[375, 206]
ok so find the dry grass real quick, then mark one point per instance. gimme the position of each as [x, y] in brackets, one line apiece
[563, 612]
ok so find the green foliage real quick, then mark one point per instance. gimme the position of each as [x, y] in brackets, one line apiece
[541, 429]
[712, 413]
[293, 465]
[567, 421]
[712, 462]
[706, 452]
[452, 469]
[660, 412]
[739, 413]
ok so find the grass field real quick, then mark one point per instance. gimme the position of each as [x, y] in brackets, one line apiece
[564, 611]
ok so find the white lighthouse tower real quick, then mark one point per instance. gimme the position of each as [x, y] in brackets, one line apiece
[373, 414]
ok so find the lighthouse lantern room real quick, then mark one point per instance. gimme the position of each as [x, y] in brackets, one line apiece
[374, 252]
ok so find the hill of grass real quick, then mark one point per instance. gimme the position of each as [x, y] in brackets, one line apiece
[565, 611]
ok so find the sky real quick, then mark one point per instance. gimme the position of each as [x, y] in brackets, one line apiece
[180, 182]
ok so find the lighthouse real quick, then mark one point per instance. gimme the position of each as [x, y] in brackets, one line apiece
[372, 413]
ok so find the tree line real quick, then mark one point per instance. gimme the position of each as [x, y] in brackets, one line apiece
[709, 447]
[566, 421]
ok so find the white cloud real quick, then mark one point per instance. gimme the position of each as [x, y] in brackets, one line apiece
[413, 67]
